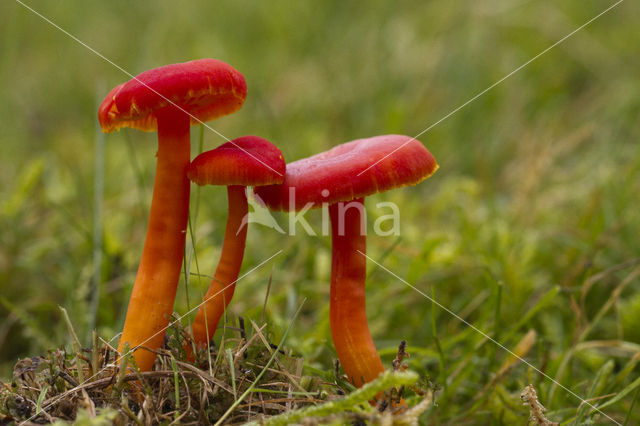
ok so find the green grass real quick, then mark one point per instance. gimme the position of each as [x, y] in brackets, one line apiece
[530, 223]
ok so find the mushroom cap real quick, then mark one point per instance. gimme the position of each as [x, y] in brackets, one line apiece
[205, 88]
[247, 161]
[351, 170]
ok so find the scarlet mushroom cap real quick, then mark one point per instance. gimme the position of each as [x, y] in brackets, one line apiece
[352, 170]
[204, 89]
[246, 161]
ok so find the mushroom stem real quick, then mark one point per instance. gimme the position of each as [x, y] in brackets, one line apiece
[348, 316]
[224, 280]
[154, 290]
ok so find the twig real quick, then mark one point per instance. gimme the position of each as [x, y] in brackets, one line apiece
[266, 296]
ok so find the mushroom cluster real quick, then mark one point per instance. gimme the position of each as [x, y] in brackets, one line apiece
[171, 98]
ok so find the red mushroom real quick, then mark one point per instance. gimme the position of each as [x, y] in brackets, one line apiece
[168, 99]
[347, 173]
[246, 161]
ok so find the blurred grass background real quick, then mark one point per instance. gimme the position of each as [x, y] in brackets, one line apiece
[530, 223]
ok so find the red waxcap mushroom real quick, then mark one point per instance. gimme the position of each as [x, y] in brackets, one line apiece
[205, 89]
[168, 99]
[349, 172]
[246, 161]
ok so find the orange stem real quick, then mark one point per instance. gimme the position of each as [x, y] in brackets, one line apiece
[154, 290]
[348, 317]
[223, 284]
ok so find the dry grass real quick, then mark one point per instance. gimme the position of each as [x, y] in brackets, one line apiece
[49, 389]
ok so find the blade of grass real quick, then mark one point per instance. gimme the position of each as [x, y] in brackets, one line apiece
[633, 403]
[441, 359]
[176, 386]
[28, 180]
[98, 195]
[384, 255]
[192, 236]
[266, 296]
[95, 353]
[141, 185]
[622, 394]
[199, 275]
[232, 371]
[122, 372]
[613, 298]
[545, 300]
[271, 359]
[41, 396]
[596, 387]
[497, 324]
[77, 347]
[28, 320]
[624, 372]
[196, 199]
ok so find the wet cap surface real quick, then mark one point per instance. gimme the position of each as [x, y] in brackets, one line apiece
[351, 170]
[205, 88]
[248, 161]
